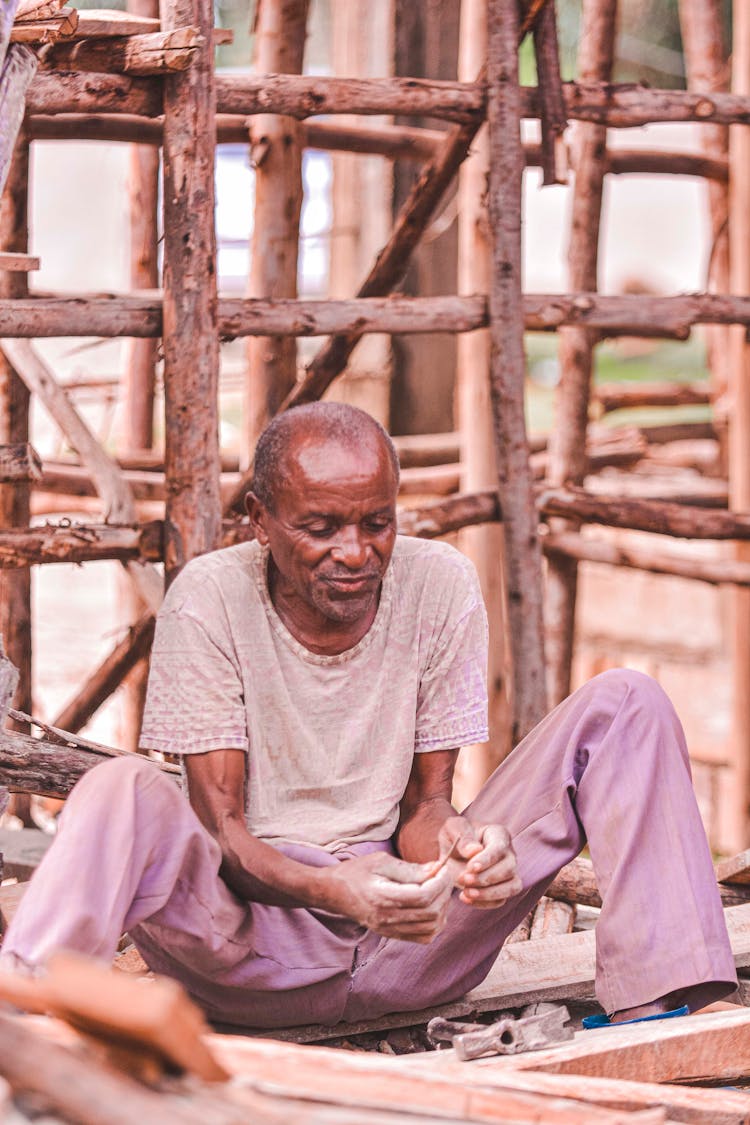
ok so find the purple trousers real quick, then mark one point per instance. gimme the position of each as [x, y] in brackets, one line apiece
[608, 767]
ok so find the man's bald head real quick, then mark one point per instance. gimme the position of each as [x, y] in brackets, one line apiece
[316, 422]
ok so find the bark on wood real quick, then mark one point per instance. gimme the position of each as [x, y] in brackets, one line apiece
[15, 589]
[38, 32]
[615, 396]
[551, 98]
[154, 53]
[719, 572]
[523, 568]
[484, 544]
[567, 454]
[662, 518]
[140, 316]
[707, 70]
[106, 24]
[19, 461]
[576, 883]
[35, 9]
[123, 658]
[21, 548]
[15, 77]
[191, 343]
[276, 152]
[735, 819]
[114, 491]
[68, 92]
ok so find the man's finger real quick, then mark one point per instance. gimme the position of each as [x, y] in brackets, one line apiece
[489, 897]
[399, 871]
[414, 894]
[496, 844]
[499, 872]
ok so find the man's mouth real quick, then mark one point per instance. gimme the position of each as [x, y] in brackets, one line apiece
[351, 583]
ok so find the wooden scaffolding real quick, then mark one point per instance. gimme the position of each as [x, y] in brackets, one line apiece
[148, 78]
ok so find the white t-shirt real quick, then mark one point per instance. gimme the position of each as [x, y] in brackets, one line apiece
[330, 740]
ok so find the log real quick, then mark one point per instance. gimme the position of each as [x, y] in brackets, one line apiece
[576, 883]
[134, 647]
[619, 396]
[552, 917]
[190, 336]
[18, 263]
[660, 517]
[21, 548]
[105, 24]
[140, 316]
[36, 9]
[19, 461]
[523, 560]
[15, 589]
[567, 451]
[276, 153]
[114, 491]
[153, 53]
[482, 544]
[68, 92]
[17, 72]
[653, 560]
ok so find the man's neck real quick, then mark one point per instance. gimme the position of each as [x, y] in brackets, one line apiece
[310, 627]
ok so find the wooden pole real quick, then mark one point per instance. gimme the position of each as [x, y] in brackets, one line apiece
[140, 376]
[362, 199]
[735, 820]
[15, 587]
[191, 345]
[701, 23]
[483, 545]
[567, 459]
[276, 153]
[508, 369]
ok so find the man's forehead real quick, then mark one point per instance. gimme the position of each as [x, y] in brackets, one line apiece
[332, 461]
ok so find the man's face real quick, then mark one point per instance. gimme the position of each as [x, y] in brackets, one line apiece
[332, 531]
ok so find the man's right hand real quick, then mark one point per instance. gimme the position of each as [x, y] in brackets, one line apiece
[389, 896]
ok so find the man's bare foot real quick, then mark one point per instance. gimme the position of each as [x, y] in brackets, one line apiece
[654, 1008]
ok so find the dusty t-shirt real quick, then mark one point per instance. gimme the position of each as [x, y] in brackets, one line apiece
[330, 740]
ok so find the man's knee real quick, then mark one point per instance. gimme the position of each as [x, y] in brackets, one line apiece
[119, 776]
[619, 685]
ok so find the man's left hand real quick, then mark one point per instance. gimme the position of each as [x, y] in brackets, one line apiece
[482, 861]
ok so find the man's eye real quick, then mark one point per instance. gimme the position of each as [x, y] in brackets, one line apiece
[320, 531]
[378, 525]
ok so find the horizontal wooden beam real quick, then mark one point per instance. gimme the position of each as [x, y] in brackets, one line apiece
[18, 263]
[140, 316]
[302, 96]
[623, 396]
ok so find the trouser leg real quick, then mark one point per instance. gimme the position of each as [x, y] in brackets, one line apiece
[609, 765]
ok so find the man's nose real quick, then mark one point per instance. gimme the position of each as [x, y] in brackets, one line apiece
[350, 548]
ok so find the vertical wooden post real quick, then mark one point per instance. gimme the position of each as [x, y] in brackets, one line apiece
[15, 585]
[567, 461]
[276, 151]
[140, 370]
[191, 344]
[508, 369]
[735, 821]
[707, 72]
[361, 211]
[483, 545]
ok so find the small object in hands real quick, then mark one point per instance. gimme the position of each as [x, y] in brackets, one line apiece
[505, 1037]
[441, 861]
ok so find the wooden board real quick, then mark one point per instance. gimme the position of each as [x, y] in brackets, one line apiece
[554, 968]
[736, 869]
[95, 23]
[10, 900]
[18, 263]
[310, 1071]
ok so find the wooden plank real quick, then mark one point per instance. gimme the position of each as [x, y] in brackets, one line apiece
[363, 1082]
[151, 53]
[555, 968]
[735, 869]
[96, 23]
[10, 900]
[37, 9]
[20, 263]
[61, 25]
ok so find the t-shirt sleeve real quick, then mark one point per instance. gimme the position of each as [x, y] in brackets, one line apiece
[452, 699]
[194, 701]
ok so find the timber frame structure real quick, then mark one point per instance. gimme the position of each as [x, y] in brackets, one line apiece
[152, 83]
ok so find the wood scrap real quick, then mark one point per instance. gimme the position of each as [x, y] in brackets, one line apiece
[152, 53]
[101, 23]
[46, 31]
[18, 263]
[552, 917]
[10, 899]
[19, 461]
[735, 869]
[37, 9]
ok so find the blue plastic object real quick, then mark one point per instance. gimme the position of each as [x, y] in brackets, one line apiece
[602, 1020]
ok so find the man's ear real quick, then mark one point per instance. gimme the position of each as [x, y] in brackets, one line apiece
[258, 514]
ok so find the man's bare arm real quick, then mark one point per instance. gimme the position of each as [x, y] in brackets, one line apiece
[482, 863]
[385, 894]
